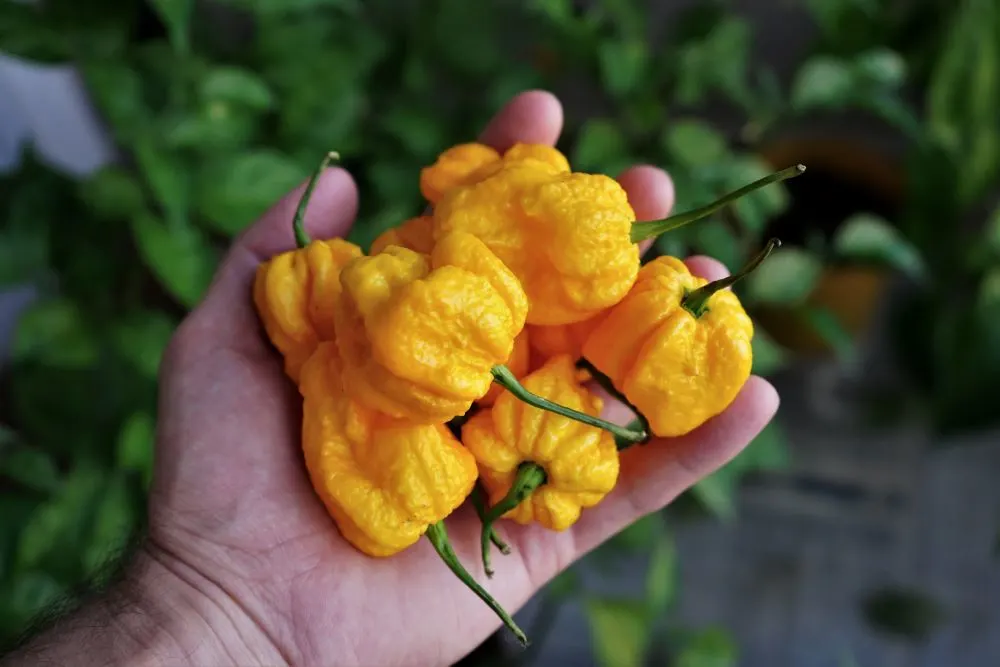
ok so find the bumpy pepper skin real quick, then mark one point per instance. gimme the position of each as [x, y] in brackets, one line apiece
[383, 481]
[414, 234]
[294, 294]
[419, 335]
[453, 167]
[548, 342]
[678, 370]
[566, 236]
[519, 363]
[580, 461]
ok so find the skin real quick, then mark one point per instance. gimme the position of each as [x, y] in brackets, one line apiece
[242, 565]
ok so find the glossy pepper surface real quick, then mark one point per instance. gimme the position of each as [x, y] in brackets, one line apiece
[414, 234]
[383, 481]
[519, 363]
[419, 335]
[677, 368]
[294, 294]
[580, 462]
[566, 236]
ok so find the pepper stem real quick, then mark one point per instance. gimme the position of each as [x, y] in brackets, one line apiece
[529, 477]
[479, 502]
[643, 231]
[640, 423]
[438, 536]
[298, 222]
[696, 302]
[506, 379]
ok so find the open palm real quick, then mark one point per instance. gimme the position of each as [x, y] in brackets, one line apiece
[233, 513]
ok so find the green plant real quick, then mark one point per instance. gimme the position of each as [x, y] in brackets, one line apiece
[220, 108]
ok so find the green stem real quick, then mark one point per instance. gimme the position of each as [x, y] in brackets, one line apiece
[529, 477]
[479, 502]
[696, 302]
[643, 231]
[640, 423]
[506, 379]
[438, 536]
[298, 222]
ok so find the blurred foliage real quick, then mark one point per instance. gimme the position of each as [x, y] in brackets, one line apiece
[219, 108]
[903, 612]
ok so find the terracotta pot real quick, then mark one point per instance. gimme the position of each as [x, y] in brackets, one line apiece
[851, 293]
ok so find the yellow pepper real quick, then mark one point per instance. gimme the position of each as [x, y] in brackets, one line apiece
[419, 336]
[538, 466]
[386, 483]
[519, 364]
[469, 163]
[294, 292]
[552, 341]
[414, 234]
[678, 348]
[569, 237]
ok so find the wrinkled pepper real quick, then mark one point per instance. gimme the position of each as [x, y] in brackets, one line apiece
[385, 482]
[548, 342]
[414, 234]
[418, 335]
[519, 363]
[294, 292]
[539, 466]
[569, 237]
[677, 347]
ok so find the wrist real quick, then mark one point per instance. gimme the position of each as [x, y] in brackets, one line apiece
[160, 613]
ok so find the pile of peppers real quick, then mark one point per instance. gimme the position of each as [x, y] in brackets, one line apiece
[456, 358]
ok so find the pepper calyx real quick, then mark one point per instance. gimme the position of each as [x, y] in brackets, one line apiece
[696, 301]
[644, 231]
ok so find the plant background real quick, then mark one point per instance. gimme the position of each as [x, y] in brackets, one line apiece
[216, 109]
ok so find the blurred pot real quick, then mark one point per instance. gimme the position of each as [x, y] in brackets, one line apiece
[861, 178]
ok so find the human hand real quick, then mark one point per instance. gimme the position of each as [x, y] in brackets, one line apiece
[239, 540]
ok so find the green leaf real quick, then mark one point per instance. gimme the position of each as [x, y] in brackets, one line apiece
[822, 81]
[30, 466]
[235, 85]
[168, 178]
[237, 189]
[620, 632]
[29, 594]
[135, 445]
[215, 127]
[768, 356]
[903, 612]
[176, 16]
[181, 258]
[112, 193]
[868, 238]
[639, 536]
[117, 89]
[709, 648]
[788, 276]
[54, 332]
[564, 585]
[717, 493]
[623, 65]
[830, 329]
[114, 521]
[882, 67]
[56, 528]
[768, 451]
[418, 131]
[694, 143]
[26, 33]
[142, 337]
[600, 147]
[662, 576]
